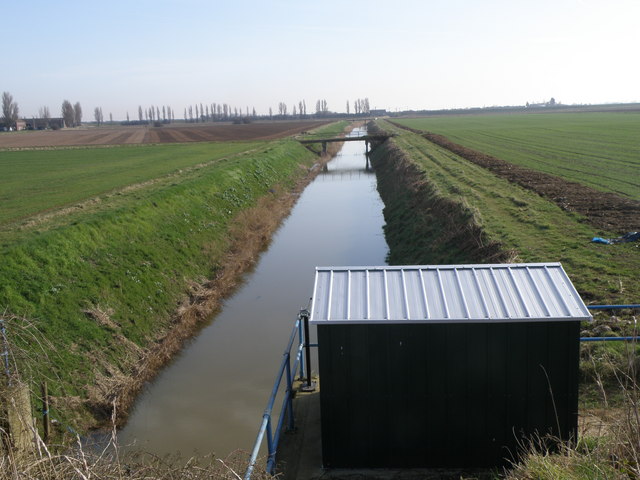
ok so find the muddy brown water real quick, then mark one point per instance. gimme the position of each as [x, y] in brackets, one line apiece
[211, 398]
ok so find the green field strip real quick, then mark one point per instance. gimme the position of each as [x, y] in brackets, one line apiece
[601, 150]
[538, 230]
[35, 181]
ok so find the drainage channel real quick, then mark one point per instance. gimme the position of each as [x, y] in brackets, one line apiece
[210, 399]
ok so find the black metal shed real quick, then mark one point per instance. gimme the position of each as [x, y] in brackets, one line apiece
[428, 366]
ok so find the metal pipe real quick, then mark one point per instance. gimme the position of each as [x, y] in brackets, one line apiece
[270, 449]
[612, 307]
[256, 448]
[609, 339]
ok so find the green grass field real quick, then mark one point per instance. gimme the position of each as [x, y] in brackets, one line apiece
[601, 150]
[34, 181]
[538, 230]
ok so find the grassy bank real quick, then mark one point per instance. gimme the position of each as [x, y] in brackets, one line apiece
[106, 289]
[601, 150]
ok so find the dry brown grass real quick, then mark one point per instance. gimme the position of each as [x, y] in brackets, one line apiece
[609, 442]
[77, 462]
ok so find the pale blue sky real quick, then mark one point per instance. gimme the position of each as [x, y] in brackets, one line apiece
[401, 54]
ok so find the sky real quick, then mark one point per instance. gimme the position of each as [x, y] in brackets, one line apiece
[400, 54]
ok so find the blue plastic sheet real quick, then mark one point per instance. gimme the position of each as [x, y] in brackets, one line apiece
[627, 237]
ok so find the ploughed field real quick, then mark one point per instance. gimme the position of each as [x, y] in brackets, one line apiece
[172, 133]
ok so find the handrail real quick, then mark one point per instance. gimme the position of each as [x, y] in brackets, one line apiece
[611, 339]
[612, 307]
[288, 371]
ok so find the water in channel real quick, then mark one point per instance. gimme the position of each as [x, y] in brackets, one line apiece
[210, 399]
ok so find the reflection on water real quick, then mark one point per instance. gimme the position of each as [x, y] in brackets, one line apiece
[211, 398]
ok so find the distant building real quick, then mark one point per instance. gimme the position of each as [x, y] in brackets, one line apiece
[378, 112]
[19, 125]
[44, 123]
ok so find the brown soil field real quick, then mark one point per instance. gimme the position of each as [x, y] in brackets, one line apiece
[174, 133]
[606, 211]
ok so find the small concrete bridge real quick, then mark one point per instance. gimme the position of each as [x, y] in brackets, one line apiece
[373, 140]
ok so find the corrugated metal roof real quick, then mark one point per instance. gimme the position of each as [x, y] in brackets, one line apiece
[445, 294]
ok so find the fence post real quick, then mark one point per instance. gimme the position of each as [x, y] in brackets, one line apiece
[19, 418]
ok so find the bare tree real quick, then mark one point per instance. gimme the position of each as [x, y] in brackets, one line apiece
[44, 114]
[110, 118]
[140, 113]
[68, 114]
[97, 114]
[9, 110]
[347, 107]
[77, 114]
[128, 117]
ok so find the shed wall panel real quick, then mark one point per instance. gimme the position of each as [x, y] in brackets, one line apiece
[444, 394]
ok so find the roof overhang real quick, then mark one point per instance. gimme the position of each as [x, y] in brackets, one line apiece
[498, 293]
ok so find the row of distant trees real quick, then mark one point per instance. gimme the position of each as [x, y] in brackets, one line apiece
[71, 114]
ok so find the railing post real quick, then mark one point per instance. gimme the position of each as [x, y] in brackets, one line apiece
[291, 418]
[310, 386]
[301, 342]
[272, 453]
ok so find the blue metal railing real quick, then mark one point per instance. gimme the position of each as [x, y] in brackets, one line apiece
[611, 339]
[286, 370]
